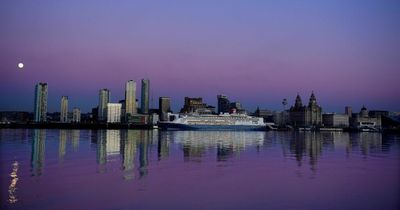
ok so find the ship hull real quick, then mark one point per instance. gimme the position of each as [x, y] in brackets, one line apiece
[177, 126]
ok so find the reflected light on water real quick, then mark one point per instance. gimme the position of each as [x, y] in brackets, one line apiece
[12, 198]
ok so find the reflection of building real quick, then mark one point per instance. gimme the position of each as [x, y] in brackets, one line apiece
[223, 104]
[64, 109]
[38, 148]
[143, 153]
[145, 96]
[104, 98]
[309, 144]
[333, 120]
[128, 149]
[76, 115]
[114, 112]
[75, 139]
[113, 139]
[40, 112]
[164, 107]
[101, 157]
[130, 98]
[305, 116]
[62, 144]
[363, 121]
[163, 145]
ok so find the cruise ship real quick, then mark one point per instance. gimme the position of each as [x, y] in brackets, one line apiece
[214, 122]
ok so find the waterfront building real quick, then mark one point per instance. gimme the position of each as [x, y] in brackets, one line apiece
[362, 121]
[12, 116]
[104, 98]
[333, 120]
[192, 104]
[223, 104]
[164, 104]
[377, 113]
[305, 116]
[348, 111]
[95, 114]
[145, 96]
[130, 98]
[76, 115]
[236, 107]
[114, 112]
[123, 110]
[280, 118]
[64, 109]
[40, 108]
[196, 105]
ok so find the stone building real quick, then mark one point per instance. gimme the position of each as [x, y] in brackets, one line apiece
[196, 105]
[363, 121]
[333, 120]
[305, 116]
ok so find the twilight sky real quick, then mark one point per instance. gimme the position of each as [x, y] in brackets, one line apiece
[256, 52]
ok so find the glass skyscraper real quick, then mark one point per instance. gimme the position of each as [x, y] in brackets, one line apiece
[145, 96]
[40, 112]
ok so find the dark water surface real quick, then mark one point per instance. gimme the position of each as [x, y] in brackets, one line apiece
[140, 169]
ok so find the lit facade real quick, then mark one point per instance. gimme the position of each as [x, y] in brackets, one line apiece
[104, 98]
[164, 107]
[130, 98]
[40, 106]
[114, 112]
[64, 109]
[76, 115]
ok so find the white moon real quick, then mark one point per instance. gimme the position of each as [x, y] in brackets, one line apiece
[20, 65]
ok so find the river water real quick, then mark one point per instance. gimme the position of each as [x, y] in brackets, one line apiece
[151, 169]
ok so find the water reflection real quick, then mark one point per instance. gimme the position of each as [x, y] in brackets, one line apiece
[197, 143]
[38, 149]
[128, 149]
[62, 144]
[306, 148]
[143, 153]
[75, 139]
[12, 189]
[164, 140]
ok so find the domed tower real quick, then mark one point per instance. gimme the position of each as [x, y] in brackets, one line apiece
[364, 112]
[313, 100]
[298, 103]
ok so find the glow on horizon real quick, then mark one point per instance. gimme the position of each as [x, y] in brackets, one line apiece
[255, 52]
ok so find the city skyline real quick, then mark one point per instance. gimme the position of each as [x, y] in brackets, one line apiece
[258, 53]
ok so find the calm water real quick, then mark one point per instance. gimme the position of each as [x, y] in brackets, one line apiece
[134, 169]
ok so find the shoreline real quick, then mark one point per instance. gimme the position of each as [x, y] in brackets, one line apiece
[100, 126]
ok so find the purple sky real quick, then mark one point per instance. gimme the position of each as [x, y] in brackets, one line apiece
[256, 52]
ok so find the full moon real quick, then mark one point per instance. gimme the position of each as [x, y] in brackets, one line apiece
[20, 65]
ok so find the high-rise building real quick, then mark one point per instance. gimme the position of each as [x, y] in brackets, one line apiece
[130, 98]
[114, 112]
[145, 96]
[164, 107]
[76, 115]
[223, 104]
[40, 112]
[104, 98]
[64, 109]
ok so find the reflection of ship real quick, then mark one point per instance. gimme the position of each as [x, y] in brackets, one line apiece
[214, 122]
